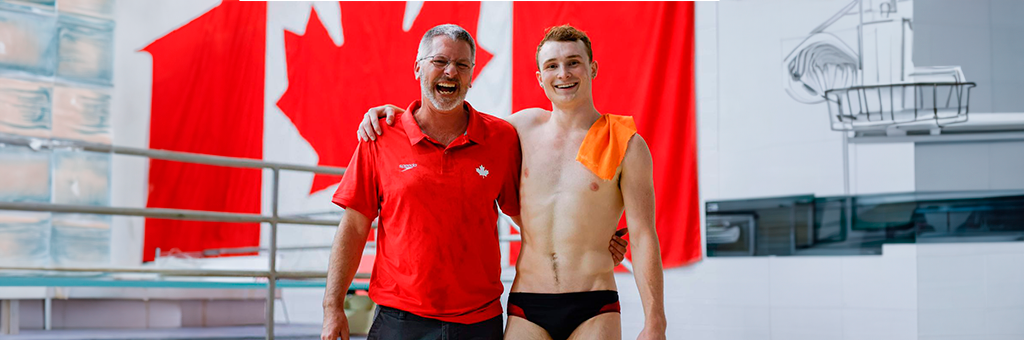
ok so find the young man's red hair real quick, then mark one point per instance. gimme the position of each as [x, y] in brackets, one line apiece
[565, 33]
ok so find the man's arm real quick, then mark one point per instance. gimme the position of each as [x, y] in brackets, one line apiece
[346, 252]
[637, 183]
[369, 128]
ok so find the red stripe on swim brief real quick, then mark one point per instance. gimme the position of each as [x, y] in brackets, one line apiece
[611, 307]
[515, 310]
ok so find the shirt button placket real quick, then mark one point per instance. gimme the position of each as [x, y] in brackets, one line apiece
[446, 161]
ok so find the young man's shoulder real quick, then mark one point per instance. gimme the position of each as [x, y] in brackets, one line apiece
[638, 153]
[528, 118]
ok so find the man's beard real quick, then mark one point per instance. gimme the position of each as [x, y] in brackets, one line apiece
[443, 104]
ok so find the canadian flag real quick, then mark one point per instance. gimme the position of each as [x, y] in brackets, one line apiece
[288, 82]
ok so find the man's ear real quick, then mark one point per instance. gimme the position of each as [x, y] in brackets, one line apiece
[416, 70]
[593, 69]
[539, 81]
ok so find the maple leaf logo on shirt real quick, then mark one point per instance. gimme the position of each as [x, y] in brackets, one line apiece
[483, 172]
[330, 86]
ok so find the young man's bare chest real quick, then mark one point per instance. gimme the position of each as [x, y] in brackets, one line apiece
[551, 174]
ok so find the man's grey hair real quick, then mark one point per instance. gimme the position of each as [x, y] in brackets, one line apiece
[451, 31]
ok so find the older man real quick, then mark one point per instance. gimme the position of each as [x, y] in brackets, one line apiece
[434, 179]
[581, 169]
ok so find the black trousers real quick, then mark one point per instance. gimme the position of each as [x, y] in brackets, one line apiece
[396, 324]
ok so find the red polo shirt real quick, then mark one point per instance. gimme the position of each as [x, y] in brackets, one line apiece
[437, 237]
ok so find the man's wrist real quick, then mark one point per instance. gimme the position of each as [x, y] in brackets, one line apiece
[334, 303]
[656, 324]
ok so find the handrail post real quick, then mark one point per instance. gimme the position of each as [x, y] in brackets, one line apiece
[272, 271]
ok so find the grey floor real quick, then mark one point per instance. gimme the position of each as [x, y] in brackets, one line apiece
[283, 332]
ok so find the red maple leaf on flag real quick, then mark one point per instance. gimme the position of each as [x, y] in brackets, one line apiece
[330, 87]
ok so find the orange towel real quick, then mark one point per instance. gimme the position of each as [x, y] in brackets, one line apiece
[605, 144]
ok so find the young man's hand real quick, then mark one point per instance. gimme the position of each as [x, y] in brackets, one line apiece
[369, 128]
[335, 324]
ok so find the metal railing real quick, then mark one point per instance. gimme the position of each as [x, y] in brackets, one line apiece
[272, 274]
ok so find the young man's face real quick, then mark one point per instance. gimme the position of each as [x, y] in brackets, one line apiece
[445, 73]
[566, 73]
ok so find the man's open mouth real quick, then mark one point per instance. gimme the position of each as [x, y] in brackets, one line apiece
[566, 86]
[446, 88]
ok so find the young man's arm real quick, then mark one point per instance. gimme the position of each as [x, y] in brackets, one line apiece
[346, 252]
[637, 184]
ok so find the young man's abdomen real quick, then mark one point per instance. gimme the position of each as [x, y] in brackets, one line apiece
[554, 270]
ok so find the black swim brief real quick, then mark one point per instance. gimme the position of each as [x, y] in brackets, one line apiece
[561, 313]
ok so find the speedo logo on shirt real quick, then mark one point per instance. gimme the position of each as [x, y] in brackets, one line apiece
[406, 167]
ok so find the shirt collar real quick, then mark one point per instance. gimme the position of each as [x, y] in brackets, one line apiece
[474, 128]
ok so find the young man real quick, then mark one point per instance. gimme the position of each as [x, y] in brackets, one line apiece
[580, 170]
[434, 181]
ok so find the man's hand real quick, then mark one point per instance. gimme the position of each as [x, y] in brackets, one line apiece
[369, 128]
[335, 324]
[617, 246]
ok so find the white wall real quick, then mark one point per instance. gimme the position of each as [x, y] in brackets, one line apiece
[949, 291]
[852, 297]
[756, 141]
[971, 291]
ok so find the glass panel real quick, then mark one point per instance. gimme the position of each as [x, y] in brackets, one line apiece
[28, 43]
[37, 6]
[25, 174]
[81, 114]
[731, 235]
[80, 240]
[805, 225]
[81, 178]
[94, 8]
[24, 239]
[86, 50]
[25, 108]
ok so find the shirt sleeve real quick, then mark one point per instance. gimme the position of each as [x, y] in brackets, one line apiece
[508, 198]
[360, 187]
